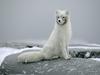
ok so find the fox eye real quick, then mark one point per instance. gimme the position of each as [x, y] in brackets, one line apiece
[57, 16]
[63, 17]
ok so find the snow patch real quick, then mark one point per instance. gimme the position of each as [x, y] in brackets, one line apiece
[84, 47]
[24, 71]
[96, 59]
[49, 70]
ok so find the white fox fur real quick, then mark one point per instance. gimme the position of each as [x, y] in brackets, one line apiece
[57, 44]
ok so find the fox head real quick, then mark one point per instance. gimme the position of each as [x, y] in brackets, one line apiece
[62, 17]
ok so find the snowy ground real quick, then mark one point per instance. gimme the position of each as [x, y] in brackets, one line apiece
[8, 58]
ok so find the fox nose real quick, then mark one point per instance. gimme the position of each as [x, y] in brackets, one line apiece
[59, 20]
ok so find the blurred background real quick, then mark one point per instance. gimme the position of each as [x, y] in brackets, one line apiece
[35, 19]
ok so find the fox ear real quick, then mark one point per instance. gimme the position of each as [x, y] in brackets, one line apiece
[57, 11]
[67, 12]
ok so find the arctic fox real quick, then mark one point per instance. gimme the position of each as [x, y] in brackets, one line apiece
[57, 44]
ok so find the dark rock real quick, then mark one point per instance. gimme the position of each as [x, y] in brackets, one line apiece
[74, 66]
[77, 65]
[29, 46]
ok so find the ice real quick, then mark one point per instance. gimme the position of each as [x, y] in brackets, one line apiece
[93, 44]
[45, 65]
[24, 71]
[49, 70]
[87, 54]
[72, 69]
[5, 51]
[96, 59]
[84, 47]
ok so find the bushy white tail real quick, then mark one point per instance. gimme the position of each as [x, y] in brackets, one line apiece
[30, 56]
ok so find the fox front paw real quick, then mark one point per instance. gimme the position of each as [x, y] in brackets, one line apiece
[67, 57]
